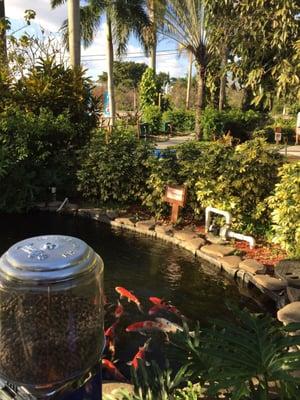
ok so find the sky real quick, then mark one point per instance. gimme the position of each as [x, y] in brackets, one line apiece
[93, 58]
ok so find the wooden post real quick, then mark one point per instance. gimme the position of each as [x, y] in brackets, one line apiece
[176, 197]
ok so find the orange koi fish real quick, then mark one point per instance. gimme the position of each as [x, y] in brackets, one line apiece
[157, 301]
[119, 310]
[113, 370]
[124, 293]
[140, 355]
[143, 326]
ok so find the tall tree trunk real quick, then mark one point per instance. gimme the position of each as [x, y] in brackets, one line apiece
[189, 82]
[74, 32]
[134, 99]
[3, 49]
[110, 81]
[151, 8]
[223, 79]
[200, 99]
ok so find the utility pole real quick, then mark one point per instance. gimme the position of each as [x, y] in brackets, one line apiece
[74, 32]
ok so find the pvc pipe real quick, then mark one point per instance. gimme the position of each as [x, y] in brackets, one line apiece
[239, 236]
[210, 210]
[62, 204]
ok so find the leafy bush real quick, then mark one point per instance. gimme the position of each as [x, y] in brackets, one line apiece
[239, 180]
[285, 205]
[162, 172]
[152, 115]
[37, 151]
[240, 123]
[181, 120]
[114, 171]
[288, 128]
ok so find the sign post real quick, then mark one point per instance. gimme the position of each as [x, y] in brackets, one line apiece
[278, 134]
[176, 197]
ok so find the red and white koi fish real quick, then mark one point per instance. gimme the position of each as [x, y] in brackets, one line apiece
[167, 326]
[140, 355]
[143, 326]
[113, 370]
[124, 293]
[110, 335]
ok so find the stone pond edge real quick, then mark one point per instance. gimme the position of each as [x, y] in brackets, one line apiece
[147, 228]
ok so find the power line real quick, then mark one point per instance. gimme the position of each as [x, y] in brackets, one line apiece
[125, 57]
[168, 51]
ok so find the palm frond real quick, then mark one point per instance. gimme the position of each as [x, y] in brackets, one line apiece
[56, 3]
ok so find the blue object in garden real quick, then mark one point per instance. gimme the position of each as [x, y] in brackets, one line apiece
[106, 108]
[160, 153]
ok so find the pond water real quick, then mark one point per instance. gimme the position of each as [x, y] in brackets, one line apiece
[144, 265]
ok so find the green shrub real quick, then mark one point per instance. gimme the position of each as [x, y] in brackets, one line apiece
[114, 171]
[285, 205]
[217, 123]
[181, 120]
[38, 151]
[288, 128]
[239, 180]
[162, 172]
[152, 115]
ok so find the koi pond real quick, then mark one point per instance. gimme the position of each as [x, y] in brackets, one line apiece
[146, 266]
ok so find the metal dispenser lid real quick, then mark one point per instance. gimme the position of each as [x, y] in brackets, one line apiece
[45, 259]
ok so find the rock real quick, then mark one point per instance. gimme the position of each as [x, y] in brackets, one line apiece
[231, 261]
[217, 250]
[293, 294]
[270, 283]
[164, 229]
[211, 260]
[147, 225]
[252, 266]
[289, 313]
[290, 271]
[192, 244]
[230, 264]
[125, 221]
[185, 235]
[215, 239]
[112, 388]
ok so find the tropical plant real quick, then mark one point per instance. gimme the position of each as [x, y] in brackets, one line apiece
[243, 357]
[285, 205]
[185, 23]
[59, 89]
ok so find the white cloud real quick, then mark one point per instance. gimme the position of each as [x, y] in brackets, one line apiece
[45, 16]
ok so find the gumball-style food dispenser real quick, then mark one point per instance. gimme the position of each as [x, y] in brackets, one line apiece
[51, 320]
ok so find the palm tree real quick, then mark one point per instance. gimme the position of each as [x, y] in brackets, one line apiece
[74, 32]
[185, 23]
[123, 17]
[3, 51]
[189, 82]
